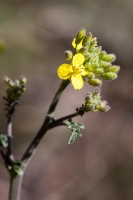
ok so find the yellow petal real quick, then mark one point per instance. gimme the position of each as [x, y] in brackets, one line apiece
[73, 43]
[77, 81]
[78, 60]
[79, 46]
[65, 71]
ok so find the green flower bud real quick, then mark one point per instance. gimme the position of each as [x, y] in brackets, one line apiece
[113, 68]
[96, 97]
[83, 50]
[99, 71]
[92, 68]
[80, 36]
[93, 43]
[102, 106]
[109, 76]
[97, 92]
[98, 49]
[17, 83]
[95, 82]
[104, 64]
[90, 75]
[87, 39]
[68, 55]
[89, 107]
[86, 64]
[9, 82]
[23, 80]
[109, 57]
[88, 97]
[15, 88]
[102, 54]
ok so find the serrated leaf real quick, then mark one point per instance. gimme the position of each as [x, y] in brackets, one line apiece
[80, 125]
[75, 129]
[73, 136]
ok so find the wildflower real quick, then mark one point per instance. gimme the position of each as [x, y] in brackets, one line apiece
[74, 72]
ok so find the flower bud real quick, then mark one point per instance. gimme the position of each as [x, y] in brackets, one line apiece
[23, 80]
[109, 57]
[102, 54]
[90, 75]
[97, 91]
[83, 50]
[80, 36]
[17, 83]
[93, 43]
[95, 82]
[88, 97]
[98, 49]
[87, 39]
[89, 107]
[104, 64]
[113, 68]
[98, 72]
[9, 82]
[68, 55]
[102, 106]
[109, 76]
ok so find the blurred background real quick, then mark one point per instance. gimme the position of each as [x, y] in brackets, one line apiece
[98, 166]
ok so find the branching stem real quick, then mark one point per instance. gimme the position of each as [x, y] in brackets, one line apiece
[60, 121]
[46, 125]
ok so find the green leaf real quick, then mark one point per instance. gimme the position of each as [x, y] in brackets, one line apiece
[75, 129]
[74, 135]
[80, 125]
[3, 140]
[18, 170]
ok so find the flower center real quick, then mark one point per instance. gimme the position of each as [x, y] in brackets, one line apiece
[78, 70]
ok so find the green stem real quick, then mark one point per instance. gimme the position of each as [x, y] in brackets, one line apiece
[60, 121]
[15, 187]
[46, 125]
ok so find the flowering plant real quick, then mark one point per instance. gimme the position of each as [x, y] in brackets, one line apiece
[88, 63]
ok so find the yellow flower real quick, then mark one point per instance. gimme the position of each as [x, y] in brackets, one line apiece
[79, 46]
[74, 72]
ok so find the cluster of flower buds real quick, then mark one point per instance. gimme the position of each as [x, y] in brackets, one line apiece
[94, 103]
[97, 62]
[15, 89]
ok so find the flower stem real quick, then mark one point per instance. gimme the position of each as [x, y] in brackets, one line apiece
[60, 121]
[46, 125]
[15, 187]
[10, 155]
